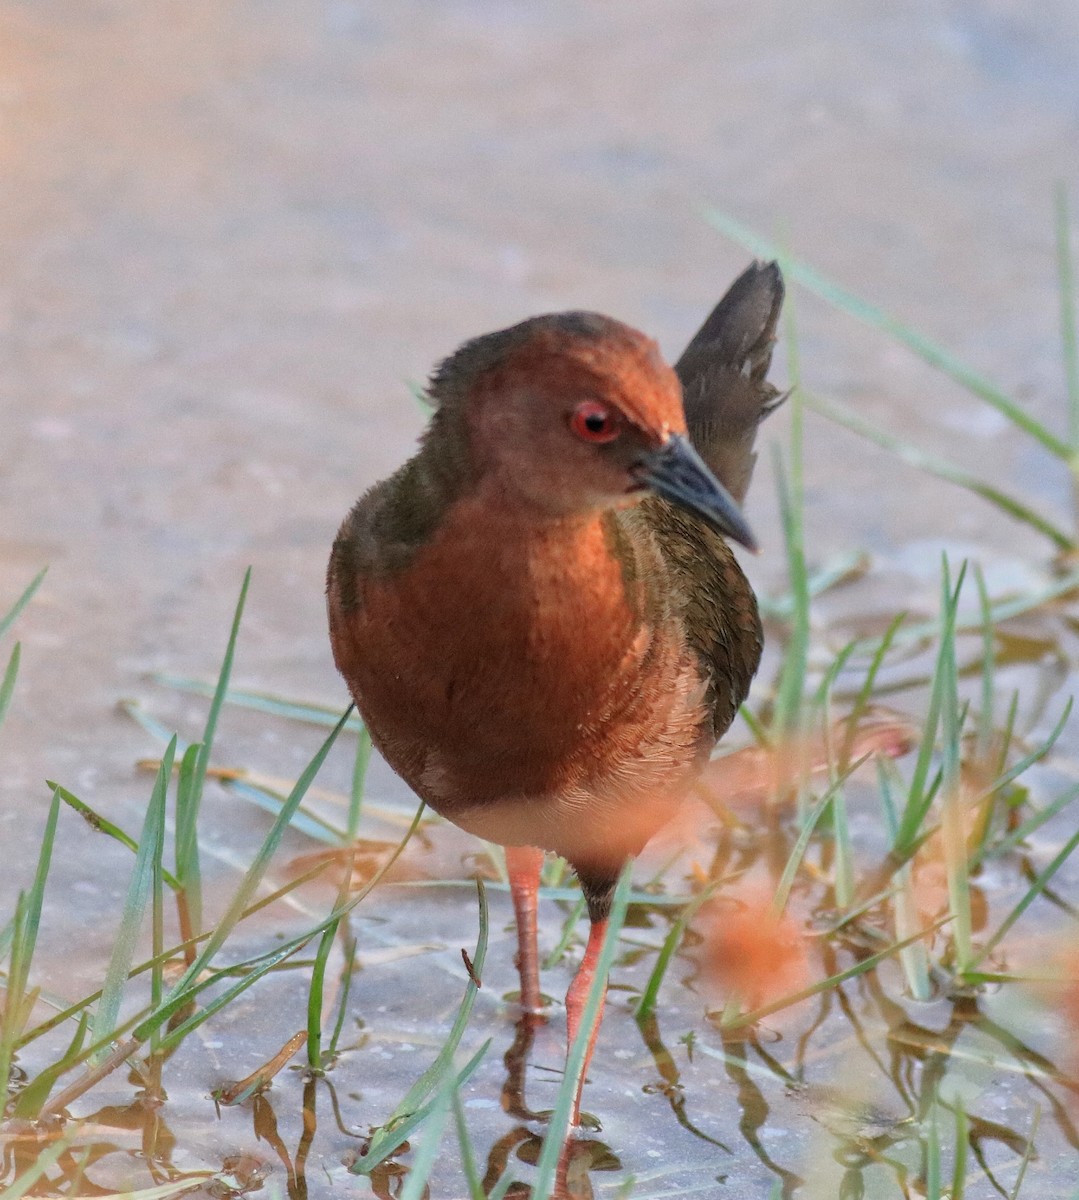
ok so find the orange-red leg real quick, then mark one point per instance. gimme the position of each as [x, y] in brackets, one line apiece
[576, 998]
[523, 865]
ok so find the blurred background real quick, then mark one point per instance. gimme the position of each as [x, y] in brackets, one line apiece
[231, 234]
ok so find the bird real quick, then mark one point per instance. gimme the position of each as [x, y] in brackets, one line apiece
[539, 615]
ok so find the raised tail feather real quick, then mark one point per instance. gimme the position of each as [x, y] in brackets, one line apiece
[723, 373]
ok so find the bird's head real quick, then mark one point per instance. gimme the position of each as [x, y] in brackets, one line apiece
[573, 413]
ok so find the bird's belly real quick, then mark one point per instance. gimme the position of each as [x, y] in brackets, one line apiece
[589, 767]
[514, 686]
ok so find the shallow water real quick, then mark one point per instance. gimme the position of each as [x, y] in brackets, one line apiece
[231, 233]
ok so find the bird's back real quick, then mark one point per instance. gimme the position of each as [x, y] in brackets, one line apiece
[726, 394]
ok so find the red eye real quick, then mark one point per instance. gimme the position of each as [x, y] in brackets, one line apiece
[594, 422]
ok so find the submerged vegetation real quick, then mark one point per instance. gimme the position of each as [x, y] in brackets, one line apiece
[896, 894]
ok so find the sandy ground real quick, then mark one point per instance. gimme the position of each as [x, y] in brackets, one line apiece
[230, 233]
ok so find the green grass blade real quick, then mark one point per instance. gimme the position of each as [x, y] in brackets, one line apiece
[1028, 1154]
[1031, 825]
[743, 1020]
[933, 1172]
[558, 1125]
[423, 1162]
[913, 958]
[468, 1152]
[962, 1142]
[1039, 885]
[844, 852]
[920, 793]
[12, 614]
[940, 468]
[646, 1005]
[875, 317]
[102, 825]
[7, 684]
[401, 1132]
[35, 897]
[171, 1006]
[315, 994]
[569, 925]
[430, 1079]
[953, 826]
[255, 872]
[324, 715]
[985, 713]
[17, 1003]
[1028, 760]
[359, 780]
[845, 568]
[36, 1092]
[791, 688]
[805, 832]
[189, 796]
[138, 895]
[348, 972]
[1066, 277]
[186, 844]
[310, 824]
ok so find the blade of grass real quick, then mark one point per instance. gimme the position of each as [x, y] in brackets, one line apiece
[276, 706]
[984, 740]
[7, 684]
[348, 971]
[841, 570]
[962, 1142]
[36, 1092]
[1031, 825]
[1033, 892]
[468, 1152]
[914, 957]
[138, 894]
[403, 1131]
[359, 779]
[192, 779]
[1066, 278]
[435, 1073]
[558, 1125]
[568, 927]
[185, 849]
[647, 1003]
[790, 690]
[304, 821]
[933, 1173]
[794, 859]
[17, 1003]
[102, 825]
[1028, 1153]
[315, 994]
[423, 1162]
[742, 1020]
[930, 464]
[12, 614]
[920, 793]
[922, 346]
[253, 875]
[953, 825]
